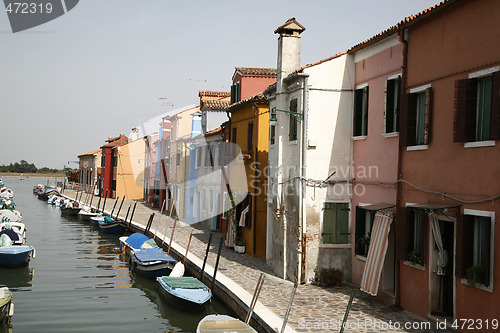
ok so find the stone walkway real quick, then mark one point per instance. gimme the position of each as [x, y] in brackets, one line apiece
[314, 309]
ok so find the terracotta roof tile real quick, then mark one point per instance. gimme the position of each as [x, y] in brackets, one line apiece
[214, 131]
[93, 152]
[212, 93]
[256, 71]
[216, 104]
[260, 97]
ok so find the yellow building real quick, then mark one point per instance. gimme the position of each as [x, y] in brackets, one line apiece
[129, 170]
[249, 129]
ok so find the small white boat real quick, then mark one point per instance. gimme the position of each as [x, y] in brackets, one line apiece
[86, 213]
[15, 230]
[223, 324]
[6, 305]
[7, 215]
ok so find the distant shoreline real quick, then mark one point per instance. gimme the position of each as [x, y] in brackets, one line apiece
[32, 175]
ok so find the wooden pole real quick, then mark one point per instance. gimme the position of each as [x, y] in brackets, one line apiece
[347, 312]
[256, 293]
[104, 204]
[132, 215]
[172, 236]
[111, 215]
[288, 309]
[119, 208]
[217, 263]
[187, 249]
[206, 255]
[92, 197]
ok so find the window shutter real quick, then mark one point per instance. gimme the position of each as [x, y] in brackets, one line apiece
[398, 103]
[465, 243]
[423, 237]
[329, 215]
[495, 107]
[408, 120]
[387, 115]
[460, 110]
[358, 112]
[342, 224]
[360, 229]
[401, 235]
[233, 93]
[428, 116]
[486, 257]
[365, 111]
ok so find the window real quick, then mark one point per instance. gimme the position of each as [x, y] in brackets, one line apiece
[477, 109]
[233, 140]
[335, 223]
[474, 255]
[416, 236]
[198, 157]
[250, 138]
[272, 133]
[235, 93]
[115, 161]
[103, 161]
[364, 225]
[416, 117]
[292, 129]
[392, 101]
[178, 158]
[167, 156]
[113, 185]
[361, 112]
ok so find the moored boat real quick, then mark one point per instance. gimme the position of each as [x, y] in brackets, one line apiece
[110, 226]
[86, 213]
[15, 230]
[16, 255]
[222, 323]
[134, 242]
[6, 305]
[152, 262]
[185, 292]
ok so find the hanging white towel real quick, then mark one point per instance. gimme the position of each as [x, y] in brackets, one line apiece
[243, 216]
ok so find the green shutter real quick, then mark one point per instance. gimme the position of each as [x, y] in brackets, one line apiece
[329, 216]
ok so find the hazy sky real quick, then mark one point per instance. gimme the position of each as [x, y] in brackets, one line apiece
[95, 72]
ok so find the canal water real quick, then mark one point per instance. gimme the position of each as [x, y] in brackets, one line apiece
[80, 282]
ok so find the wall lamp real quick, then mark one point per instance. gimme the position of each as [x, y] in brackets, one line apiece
[273, 119]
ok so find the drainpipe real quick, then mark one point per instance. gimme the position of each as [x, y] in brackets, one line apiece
[302, 167]
[402, 38]
[254, 202]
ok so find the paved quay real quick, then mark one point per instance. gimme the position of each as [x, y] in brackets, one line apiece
[314, 309]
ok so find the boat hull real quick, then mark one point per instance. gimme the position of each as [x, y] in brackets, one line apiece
[13, 256]
[152, 266]
[6, 304]
[222, 323]
[188, 299]
[70, 211]
[116, 227]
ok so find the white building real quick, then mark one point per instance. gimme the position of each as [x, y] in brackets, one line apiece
[310, 154]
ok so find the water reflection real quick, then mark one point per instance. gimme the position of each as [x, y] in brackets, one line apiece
[18, 278]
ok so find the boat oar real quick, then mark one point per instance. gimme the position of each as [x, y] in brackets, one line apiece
[119, 208]
[172, 236]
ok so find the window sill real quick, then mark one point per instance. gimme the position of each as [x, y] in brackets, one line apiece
[360, 257]
[417, 266]
[479, 286]
[357, 138]
[293, 143]
[335, 246]
[476, 144]
[390, 135]
[414, 148]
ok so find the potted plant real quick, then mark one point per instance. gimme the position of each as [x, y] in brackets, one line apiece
[239, 245]
[364, 243]
[474, 275]
[414, 257]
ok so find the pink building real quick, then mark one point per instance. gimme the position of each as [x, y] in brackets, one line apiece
[249, 81]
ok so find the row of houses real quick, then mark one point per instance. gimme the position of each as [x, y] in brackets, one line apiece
[380, 161]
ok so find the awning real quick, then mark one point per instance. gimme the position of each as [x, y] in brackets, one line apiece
[376, 253]
[379, 206]
[434, 205]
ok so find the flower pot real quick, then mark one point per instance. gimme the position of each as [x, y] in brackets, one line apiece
[239, 248]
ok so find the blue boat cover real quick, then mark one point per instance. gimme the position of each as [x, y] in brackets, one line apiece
[136, 240]
[17, 249]
[153, 255]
